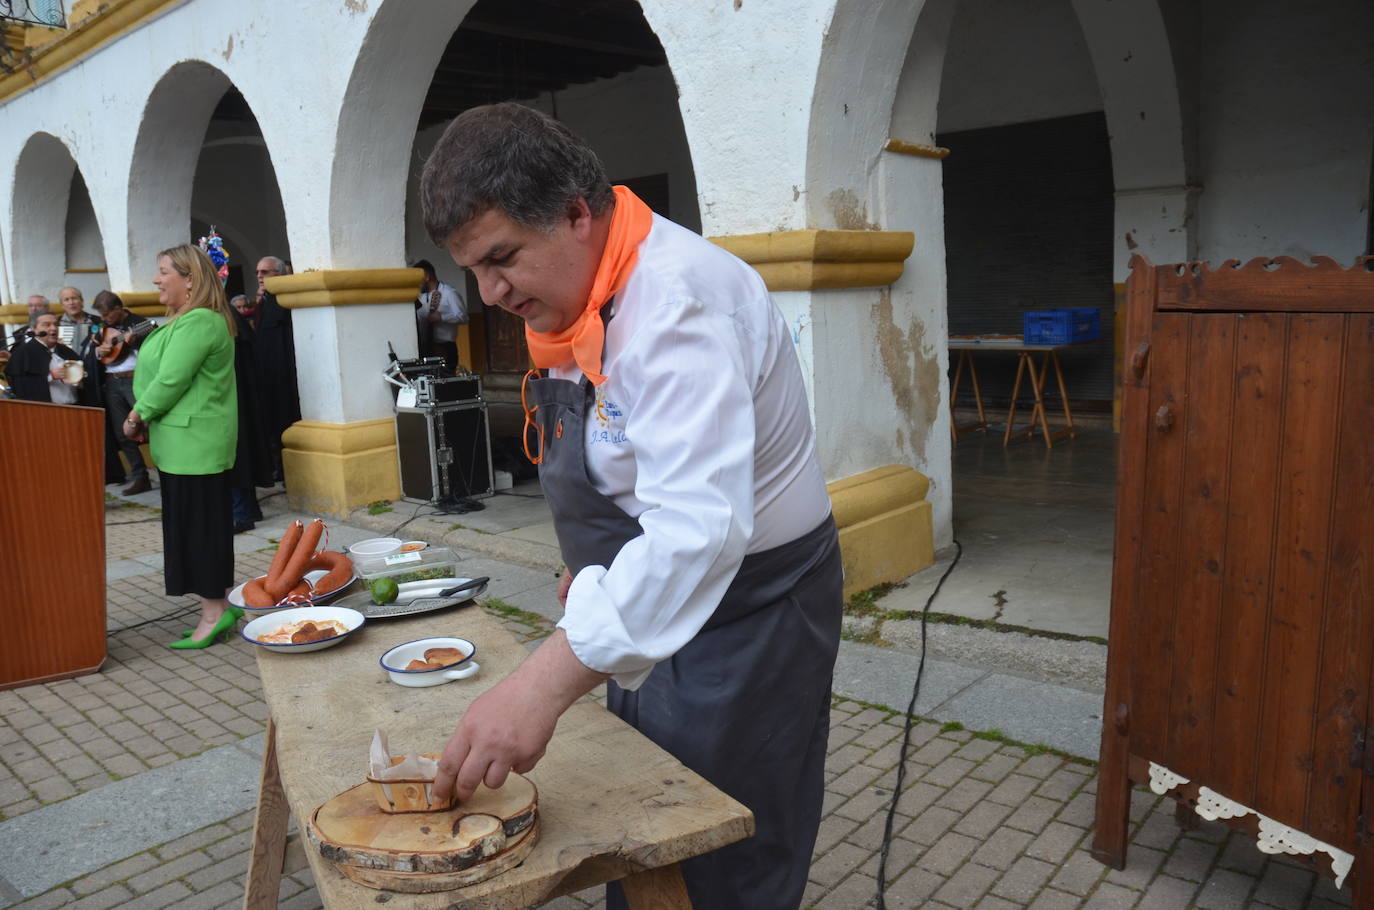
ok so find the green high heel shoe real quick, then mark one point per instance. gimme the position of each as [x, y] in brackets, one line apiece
[219, 633]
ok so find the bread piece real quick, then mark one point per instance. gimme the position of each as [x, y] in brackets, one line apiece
[443, 657]
[418, 665]
[310, 632]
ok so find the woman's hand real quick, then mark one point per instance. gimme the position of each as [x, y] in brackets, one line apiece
[135, 428]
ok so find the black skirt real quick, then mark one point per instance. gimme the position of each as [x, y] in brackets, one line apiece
[197, 534]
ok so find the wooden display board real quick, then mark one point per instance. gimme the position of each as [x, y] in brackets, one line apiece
[52, 546]
[1241, 652]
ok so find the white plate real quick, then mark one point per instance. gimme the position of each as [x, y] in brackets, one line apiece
[236, 596]
[263, 625]
[395, 660]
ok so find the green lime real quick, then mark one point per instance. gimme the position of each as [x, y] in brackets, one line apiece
[384, 591]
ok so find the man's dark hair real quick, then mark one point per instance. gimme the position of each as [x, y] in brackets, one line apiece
[427, 267]
[106, 300]
[513, 159]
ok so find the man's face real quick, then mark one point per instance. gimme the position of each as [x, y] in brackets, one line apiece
[71, 301]
[267, 268]
[46, 330]
[37, 305]
[541, 276]
[113, 315]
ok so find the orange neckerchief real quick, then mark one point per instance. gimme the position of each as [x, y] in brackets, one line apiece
[582, 341]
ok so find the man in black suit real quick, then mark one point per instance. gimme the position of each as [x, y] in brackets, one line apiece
[36, 369]
[274, 349]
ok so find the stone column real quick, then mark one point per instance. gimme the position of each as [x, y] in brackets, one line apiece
[885, 520]
[342, 453]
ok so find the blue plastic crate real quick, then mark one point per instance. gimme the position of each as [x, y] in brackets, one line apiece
[1066, 326]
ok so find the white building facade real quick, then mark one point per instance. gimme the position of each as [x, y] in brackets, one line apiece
[802, 135]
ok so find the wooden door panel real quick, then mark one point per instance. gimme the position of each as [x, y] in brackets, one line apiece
[1306, 486]
[1204, 476]
[1348, 638]
[1153, 608]
[1249, 547]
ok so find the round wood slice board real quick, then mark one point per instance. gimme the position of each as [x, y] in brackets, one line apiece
[429, 882]
[352, 831]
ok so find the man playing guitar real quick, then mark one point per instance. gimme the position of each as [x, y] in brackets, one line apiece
[121, 332]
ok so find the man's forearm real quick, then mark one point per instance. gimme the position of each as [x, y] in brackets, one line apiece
[554, 671]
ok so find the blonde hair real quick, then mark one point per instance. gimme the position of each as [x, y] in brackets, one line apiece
[206, 291]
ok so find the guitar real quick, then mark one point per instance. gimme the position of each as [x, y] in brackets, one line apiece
[119, 341]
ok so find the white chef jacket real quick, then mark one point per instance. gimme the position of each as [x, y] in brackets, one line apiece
[702, 432]
[452, 311]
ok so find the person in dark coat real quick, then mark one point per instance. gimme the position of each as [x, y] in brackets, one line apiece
[253, 457]
[110, 385]
[31, 371]
[275, 353]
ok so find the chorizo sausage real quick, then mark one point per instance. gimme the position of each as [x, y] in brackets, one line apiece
[285, 548]
[295, 566]
[339, 567]
[255, 593]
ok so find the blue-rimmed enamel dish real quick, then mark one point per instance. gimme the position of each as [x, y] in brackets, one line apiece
[395, 660]
[352, 620]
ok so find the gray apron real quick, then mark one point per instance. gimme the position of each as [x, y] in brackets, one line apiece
[746, 703]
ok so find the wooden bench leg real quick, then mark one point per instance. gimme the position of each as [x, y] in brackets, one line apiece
[269, 832]
[657, 889]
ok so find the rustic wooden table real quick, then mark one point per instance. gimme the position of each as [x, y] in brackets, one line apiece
[612, 805]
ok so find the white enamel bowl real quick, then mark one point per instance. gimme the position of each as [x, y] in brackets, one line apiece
[395, 660]
[236, 596]
[265, 625]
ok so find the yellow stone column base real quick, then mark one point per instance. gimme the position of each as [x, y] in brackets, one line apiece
[886, 530]
[333, 468]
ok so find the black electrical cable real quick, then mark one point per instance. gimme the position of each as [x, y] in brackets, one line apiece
[906, 731]
[175, 614]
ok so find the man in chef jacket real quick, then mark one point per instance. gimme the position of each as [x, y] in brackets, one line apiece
[671, 428]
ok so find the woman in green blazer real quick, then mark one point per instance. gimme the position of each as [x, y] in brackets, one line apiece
[187, 409]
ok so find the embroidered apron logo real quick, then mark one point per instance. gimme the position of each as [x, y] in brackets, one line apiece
[607, 421]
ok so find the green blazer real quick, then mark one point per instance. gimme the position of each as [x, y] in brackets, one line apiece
[185, 389]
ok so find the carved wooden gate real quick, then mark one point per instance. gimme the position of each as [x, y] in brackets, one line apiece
[1241, 648]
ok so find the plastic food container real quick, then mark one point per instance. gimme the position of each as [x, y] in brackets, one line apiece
[372, 548]
[417, 565]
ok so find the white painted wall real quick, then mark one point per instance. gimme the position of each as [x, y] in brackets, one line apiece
[1285, 129]
[1012, 61]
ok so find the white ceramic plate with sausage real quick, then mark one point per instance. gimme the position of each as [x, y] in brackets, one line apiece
[236, 595]
[254, 631]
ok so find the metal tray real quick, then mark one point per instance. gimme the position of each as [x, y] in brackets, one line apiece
[362, 602]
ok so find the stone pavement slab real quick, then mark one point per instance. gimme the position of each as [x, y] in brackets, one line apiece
[82, 834]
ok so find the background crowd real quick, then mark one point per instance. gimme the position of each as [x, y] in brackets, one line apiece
[88, 356]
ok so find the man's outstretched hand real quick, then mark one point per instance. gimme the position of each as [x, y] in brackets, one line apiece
[507, 728]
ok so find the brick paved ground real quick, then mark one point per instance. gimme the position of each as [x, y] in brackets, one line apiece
[981, 823]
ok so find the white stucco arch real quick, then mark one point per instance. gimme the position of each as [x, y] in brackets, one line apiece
[165, 154]
[376, 129]
[38, 215]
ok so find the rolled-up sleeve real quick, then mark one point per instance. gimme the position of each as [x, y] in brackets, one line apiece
[690, 421]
